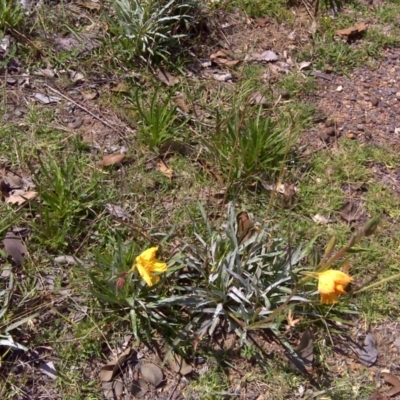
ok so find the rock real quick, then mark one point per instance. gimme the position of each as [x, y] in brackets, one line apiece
[374, 101]
[360, 127]
[329, 122]
[351, 136]
[391, 129]
[398, 96]
[331, 131]
[323, 135]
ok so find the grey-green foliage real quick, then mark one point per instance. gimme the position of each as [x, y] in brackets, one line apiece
[241, 285]
[148, 28]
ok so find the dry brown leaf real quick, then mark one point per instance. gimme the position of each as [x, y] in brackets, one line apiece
[351, 211]
[139, 388]
[90, 5]
[89, 95]
[167, 78]
[14, 247]
[305, 352]
[107, 371]
[180, 102]
[257, 98]
[120, 88]
[219, 54]
[291, 322]
[221, 58]
[245, 226]
[178, 364]
[111, 159]
[21, 198]
[391, 380]
[164, 169]
[352, 30]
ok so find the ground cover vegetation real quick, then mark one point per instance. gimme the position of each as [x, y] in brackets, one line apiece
[199, 199]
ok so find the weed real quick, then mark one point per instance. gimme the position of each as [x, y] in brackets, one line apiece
[248, 142]
[11, 14]
[159, 120]
[147, 30]
[67, 202]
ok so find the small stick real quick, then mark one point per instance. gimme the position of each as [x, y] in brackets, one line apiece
[102, 120]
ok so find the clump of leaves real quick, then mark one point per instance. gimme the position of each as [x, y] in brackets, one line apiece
[68, 200]
[11, 14]
[159, 120]
[148, 29]
[240, 286]
[249, 142]
[149, 308]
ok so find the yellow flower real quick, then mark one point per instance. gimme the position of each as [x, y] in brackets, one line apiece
[331, 283]
[147, 263]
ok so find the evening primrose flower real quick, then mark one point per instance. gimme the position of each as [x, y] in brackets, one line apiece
[147, 263]
[331, 283]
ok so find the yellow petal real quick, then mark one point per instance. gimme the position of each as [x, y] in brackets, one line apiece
[158, 266]
[148, 255]
[144, 274]
[330, 298]
[332, 283]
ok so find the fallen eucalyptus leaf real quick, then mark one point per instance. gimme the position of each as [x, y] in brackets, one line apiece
[368, 354]
[164, 169]
[257, 98]
[68, 260]
[178, 364]
[20, 197]
[139, 388]
[48, 369]
[108, 371]
[14, 247]
[167, 78]
[116, 211]
[111, 159]
[305, 352]
[46, 99]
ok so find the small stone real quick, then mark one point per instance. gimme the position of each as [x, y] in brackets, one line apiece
[339, 88]
[368, 135]
[329, 122]
[360, 127]
[391, 129]
[351, 136]
[323, 136]
[330, 131]
[398, 95]
[374, 101]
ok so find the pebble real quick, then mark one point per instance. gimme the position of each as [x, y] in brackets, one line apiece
[339, 88]
[330, 131]
[391, 129]
[329, 122]
[360, 127]
[324, 136]
[351, 136]
[374, 101]
[398, 95]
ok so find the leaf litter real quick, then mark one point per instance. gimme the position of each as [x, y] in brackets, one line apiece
[14, 247]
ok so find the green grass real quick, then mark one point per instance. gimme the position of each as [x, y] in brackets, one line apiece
[234, 148]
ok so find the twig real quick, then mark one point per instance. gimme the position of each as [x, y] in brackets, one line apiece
[102, 120]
